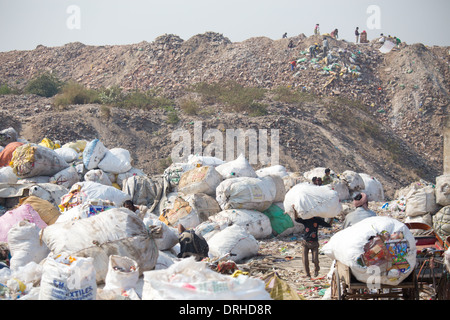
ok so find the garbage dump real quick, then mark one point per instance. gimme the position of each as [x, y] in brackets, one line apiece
[66, 218]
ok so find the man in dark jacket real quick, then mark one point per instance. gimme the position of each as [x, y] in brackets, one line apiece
[311, 241]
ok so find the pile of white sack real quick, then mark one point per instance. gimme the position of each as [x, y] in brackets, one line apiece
[70, 237]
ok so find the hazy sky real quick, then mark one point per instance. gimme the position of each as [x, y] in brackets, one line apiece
[24, 24]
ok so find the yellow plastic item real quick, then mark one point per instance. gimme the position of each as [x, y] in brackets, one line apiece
[78, 145]
[280, 289]
[46, 142]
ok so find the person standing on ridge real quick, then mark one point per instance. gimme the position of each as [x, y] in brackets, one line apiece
[316, 30]
[357, 34]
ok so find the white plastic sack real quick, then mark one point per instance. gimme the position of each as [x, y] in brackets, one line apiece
[132, 172]
[312, 201]
[85, 210]
[256, 223]
[48, 191]
[116, 231]
[93, 154]
[68, 154]
[168, 237]
[191, 280]
[116, 160]
[94, 190]
[443, 190]
[7, 175]
[123, 274]
[99, 176]
[246, 193]
[421, 201]
[372, 187]
[196, 160]
[347, 246]
[341, 188]
[354, 181]
[441, 222]
[174, 172]
[24, 245]
[239, 167]
[209, 228]
[316, 172]
[200, 180]
[235, 240]
[64, 278]
[66, 178]
[165, 260]
[277, 170]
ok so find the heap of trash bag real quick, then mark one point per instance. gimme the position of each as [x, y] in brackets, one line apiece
[69, 236]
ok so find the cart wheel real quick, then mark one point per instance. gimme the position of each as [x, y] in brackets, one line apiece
[336, 286]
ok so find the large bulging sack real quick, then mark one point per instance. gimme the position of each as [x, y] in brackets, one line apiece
[312, 201]
[143, 190]
[421, 201]
[200, 180]
[195, 281]
[196, 161]
[167, 236]
[246, 193]
[341, 188]
[66, 178]
[239, 167]
[378, 250]
[68, 154]
[94, 191]
[234, 240]
[46, 210]
[441, 222]
[256, 223]
[277, 170]
[116, 160]
[316, 172]
[8, 136]
[372, 187]
[443, 190]
[174, 172]
[66, 277]
[24, 245]
[7, 153]
[354, 180]
[93, 153]
[14, 216]
[190, 210]
[116, 231]
[49, 192]
[8, 176]
[99, 176]
[31, 160]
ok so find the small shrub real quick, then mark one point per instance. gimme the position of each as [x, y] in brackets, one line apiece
[4, 89]
[189, 106]
[76, 93]
[111, 95]
[44, 85]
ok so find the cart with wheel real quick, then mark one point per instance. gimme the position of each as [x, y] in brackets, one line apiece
[431, 273]
[344, 286]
